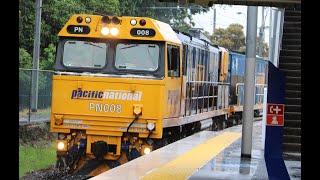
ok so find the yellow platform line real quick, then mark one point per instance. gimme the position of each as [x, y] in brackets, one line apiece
[188, 163]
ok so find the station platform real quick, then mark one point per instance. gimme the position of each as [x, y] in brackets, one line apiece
[205, 155]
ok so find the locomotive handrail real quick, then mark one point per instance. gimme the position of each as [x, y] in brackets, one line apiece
[206, 88]
[242, 84]
[219, 83]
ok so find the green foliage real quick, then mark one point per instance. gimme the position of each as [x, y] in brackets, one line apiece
[53, 17]
[26, 24]
[130, 7]
[178, 18]
[48, 59]
[231, 37]
[56, 13]
[265, 48]
[36, 158]
[25, 59]
[110, 7]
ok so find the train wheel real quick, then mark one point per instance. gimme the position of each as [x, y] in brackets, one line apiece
[183, 132]
[165, 141]
[230, 122]
[215, 125]
[220, 124]
[240, 119]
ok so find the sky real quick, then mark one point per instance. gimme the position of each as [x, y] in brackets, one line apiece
[227, 15]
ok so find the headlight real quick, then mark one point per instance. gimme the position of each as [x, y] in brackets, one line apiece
[105, 31]
[150, 126]
[114, 31]
[147, 150]
[60, 145]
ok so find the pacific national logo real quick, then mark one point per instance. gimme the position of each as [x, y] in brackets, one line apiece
[107, 94]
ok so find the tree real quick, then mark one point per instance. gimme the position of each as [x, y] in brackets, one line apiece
[48, 59]
[53, 17]
[25, 59]
[177, 18]
[231, 37]
[265, 48]
[56, 13]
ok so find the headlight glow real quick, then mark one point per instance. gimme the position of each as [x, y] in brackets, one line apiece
[114, 31]
[146, 150]
[60, 145]
[105, 31]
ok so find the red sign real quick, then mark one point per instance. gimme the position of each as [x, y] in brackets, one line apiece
[275, 120]
[275, 109]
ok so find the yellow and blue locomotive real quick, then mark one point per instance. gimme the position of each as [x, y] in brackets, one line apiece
[125, 86]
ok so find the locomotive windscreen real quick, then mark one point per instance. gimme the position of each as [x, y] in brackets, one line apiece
[111, 57]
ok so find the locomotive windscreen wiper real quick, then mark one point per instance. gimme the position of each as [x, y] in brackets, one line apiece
[92, 44]
[134, 45]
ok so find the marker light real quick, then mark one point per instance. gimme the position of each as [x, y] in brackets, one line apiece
[61, 136]
[106, 19]
[142, 22]
[79, 19]
[133, 22]
[60, 145]
[105, 31]
[88, 20]
[150, 126]
[115, 20]
[114, 31]
[146, 150]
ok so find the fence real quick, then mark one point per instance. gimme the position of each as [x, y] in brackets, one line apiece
[44, 95]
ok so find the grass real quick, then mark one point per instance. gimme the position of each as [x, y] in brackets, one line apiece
[39, 113]
[35, 158]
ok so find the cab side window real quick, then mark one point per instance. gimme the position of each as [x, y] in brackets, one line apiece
[173, 61]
